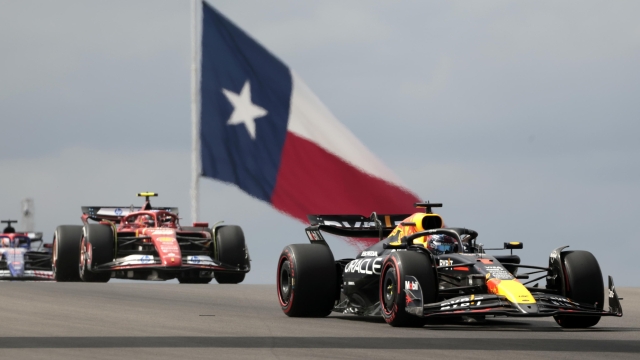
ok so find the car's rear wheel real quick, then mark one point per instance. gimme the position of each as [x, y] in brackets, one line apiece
[393, 298]
[230, 249]
[96, 248]
[581, 281]
[306, 280]
[66, 251]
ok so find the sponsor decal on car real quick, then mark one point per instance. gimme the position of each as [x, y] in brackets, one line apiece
[136, 260]
[357, 224]
[462, 302]
[411, 285]
[364, 266]
[112, 211]
[447, 262]
[499, 272]
[200, 260]
[164, 232]
[369, 253]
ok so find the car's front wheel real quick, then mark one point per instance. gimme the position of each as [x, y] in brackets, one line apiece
[581, 281]
[393, 292]
[231, 249]
[96, 248]
[66, 246]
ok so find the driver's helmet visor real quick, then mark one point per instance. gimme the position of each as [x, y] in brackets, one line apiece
[444, 248]
[442, 244]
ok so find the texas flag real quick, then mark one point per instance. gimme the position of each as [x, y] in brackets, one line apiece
[264, 130]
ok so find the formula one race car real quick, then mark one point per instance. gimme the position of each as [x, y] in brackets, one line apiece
[18, 260]
[148, 243]
[420, 270]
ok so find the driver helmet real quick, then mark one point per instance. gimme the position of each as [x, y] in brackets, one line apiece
[6, 242]
[148, 220]
[442, 244]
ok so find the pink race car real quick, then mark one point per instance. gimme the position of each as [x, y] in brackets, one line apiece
[19, 259]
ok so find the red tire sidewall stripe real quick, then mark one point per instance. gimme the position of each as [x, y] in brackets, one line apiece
[389, 316]
[286, 307]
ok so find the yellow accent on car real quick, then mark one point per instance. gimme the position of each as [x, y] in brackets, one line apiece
[417, 220]
[515, 292]
[147, 194]
[515, 243]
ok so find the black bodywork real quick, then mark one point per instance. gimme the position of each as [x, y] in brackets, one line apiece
[465, 280]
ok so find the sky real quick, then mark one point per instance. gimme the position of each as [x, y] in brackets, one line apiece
[522, 117]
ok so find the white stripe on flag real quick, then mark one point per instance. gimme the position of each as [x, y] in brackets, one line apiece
[310, 119]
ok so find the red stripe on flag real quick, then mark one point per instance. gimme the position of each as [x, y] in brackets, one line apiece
[314, 181]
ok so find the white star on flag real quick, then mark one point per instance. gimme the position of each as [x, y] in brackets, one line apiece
[244, 111]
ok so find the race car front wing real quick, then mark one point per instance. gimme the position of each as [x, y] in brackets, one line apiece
[133, 262]
[41, 275]
[488, 304]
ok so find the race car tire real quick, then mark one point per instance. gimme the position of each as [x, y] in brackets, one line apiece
[581, 282]
[306, 280]
[392, 293]
[101, 239]
[231, 249]
[66, 251]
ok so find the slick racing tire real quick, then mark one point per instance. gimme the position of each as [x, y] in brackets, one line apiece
[230, 249]
[66, 251]
[393, 299]
[581, 281]
[306, 280]
[96, 248]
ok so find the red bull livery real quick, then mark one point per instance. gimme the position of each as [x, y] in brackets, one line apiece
[420, 270]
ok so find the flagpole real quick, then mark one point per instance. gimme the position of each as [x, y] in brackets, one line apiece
[196, 19]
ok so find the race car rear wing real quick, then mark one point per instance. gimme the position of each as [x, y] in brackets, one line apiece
[353, 226]
[115, 213]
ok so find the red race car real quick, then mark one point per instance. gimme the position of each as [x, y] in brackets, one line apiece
[147, 243]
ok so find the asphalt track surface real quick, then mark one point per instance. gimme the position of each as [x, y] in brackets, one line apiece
[158, 321]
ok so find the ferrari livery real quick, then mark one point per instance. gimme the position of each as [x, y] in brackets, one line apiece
[420, 270]
[147, 243]
[18, 260]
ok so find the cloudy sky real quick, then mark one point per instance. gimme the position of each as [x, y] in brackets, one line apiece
[522, 117]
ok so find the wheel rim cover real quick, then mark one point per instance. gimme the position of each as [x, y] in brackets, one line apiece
[285, 281]
[389, 288]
